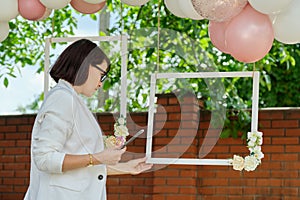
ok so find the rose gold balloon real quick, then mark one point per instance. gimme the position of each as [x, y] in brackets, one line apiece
[86, 8]
[249, 35]
[219, 10]
[216, 32]
[31, 9]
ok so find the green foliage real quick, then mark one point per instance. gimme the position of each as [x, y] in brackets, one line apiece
[25, 42]
[184, 47]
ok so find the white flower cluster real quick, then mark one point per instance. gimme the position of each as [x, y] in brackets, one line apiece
[120, 129]
[120, 134]
[249, 163]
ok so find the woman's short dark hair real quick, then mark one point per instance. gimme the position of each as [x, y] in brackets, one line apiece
[73, 63]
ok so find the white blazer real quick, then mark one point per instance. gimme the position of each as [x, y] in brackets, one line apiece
[64, 125]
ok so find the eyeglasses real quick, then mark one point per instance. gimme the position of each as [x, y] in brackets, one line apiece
[103, 76]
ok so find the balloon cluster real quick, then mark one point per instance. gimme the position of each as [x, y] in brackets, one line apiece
[245, 29]
[37, 10]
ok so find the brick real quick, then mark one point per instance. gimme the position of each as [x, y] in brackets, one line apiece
[273, 132]
[263, 114]
[14, 181]
[6, 188]
[258, 190]
[17, 120]
[17, 136]
[292, 148]
[213, 182]
[166, 173]
[2, 121]
[292, 132]
[187, 190]
[292, 114]
[284, 191]
[8, 129]
[241, 182]
[285, 140]
[140, 189]
[291, 182]
[264, 124]
[269, 182]
[229, 190]
[16, 151]
[172, 101]
[163, 189]
[284, 174]
[181, 181]
[120, 189]
[7, 143]
[285, 157]
[285, 123]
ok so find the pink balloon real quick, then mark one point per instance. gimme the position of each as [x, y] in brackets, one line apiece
[86, 8]
[216, 32]
[249, 36]
[31, 9]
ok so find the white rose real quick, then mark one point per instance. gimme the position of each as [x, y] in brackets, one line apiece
[238, 163]
[110, 141]
[121, 121]
[251, 143]
[121, 131]
[250, 163]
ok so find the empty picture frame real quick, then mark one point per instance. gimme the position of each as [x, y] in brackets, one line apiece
[194, 161]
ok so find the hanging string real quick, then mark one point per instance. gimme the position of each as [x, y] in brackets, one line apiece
[254, 69]
[158, 37]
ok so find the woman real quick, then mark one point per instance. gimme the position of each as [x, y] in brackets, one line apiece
[68, 159]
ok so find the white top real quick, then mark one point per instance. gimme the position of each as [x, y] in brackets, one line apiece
[64, 125]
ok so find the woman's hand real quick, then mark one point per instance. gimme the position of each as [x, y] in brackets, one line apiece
[110, 156]
[135, 166]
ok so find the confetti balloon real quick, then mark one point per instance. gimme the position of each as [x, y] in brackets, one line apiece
[219, 10]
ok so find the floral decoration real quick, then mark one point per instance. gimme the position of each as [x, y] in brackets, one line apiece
[119, 136]
[250, 162]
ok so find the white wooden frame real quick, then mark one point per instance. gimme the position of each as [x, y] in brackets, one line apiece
[124, 52]
[254, 122]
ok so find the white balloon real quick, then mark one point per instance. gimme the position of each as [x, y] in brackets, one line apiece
[286, 24]
[55, 4]
[174, 8]
[94, 1]
[270, 6]
[8, 10]
[189, 10]
[4, 30]
[135, 2]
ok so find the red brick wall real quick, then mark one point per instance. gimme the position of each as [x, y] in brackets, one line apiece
[277, 178]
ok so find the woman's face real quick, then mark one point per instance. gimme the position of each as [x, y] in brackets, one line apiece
[93, 82]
